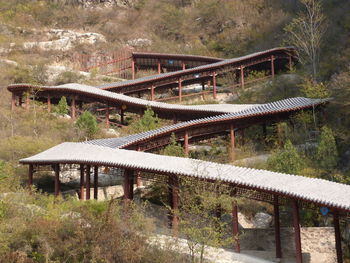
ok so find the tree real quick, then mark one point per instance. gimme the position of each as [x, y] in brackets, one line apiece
[203, 205]
[87, 123]
[286, 160]
[315, 90]
[306, 31]
[174, 148]
[62, 107]
[327, 153]
[149, 121]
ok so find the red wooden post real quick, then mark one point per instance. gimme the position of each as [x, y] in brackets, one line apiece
[128, 184]
[27, 100]
[242, 76]
[152, 92]
[95, 182]
[121, 115]
[138, 173]
[13, 102]
[88, 180]
[73, 115]
[30, 175]
[48, 103]
[232, 142]
[235, 230]
[214, 85]
[81, 196]
[337, 237]
[183, 65]
[297, 237]
[159, 67]
[133, 68]
[276, 211]
[180, 90]
[290, 65]
[107, 116]
[186, 143]
[57, 180]
[272, 66]
[173, 186]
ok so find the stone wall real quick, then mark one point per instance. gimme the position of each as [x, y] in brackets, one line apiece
[318, 243]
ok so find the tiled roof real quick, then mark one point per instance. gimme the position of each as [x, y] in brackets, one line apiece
[319, 191]
[291, 104]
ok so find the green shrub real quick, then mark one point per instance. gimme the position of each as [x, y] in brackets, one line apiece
[88, 124]
[286, 160]
[327, 154]
[62, 107]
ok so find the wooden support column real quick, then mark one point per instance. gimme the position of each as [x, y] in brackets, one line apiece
[138, 173]
[82, 182]
[133, 71]
[107, 116]
[152, 93]
[30, 175]
[186, 143]
[173, 186]
[95, 182]
[337, 237]
[242, 76]
[203, 85]
[180, 89]
[57, 180]
[183, 65]
[235, 230]
[297, 237]
[88, 182]
[48, 103]
[232, 142]
[159, 67]
[290, 63]
[276, 212]
[13, 102]
[121, 115]
[128, 184]
[72, 108]
[27, 101]
[214, 85]
[272, 66]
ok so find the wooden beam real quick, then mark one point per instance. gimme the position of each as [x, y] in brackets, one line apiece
[57, 180]
[73, 109]
[48, 103]
[180, 89]
[88, 182]
[186, 143]
[95, 182]
[133, 71]
[30, 175]
[276, 212]
[214, 85]
[272, 66]
[128, 184]
[173, 186]
[297, 237]
[235, 230]
[107, 116]
[152, 93]
[232, 142]
[82, 183]
[337, 237]
[242, 76]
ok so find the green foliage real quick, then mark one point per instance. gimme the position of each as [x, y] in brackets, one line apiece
[202, 207]
[87, 123]
[62, 106]
[174, 148]
[311, 89]
[327, 154]
[286, 160]
[149, 121]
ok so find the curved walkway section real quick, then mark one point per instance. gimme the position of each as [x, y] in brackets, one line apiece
[239, 117]
[318, 191]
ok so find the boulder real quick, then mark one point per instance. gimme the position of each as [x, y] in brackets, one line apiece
[262, 220]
